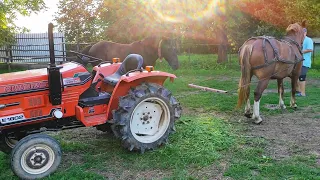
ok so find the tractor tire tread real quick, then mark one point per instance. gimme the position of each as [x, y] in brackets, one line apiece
[126, 106]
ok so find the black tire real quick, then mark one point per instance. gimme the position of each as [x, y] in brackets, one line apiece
[139, 98]
[32, 148]
[6, 143]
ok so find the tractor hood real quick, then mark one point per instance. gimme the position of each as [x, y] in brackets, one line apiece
[33, 80]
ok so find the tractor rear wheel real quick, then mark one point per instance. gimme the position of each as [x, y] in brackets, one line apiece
[145, 117]
[35, 156]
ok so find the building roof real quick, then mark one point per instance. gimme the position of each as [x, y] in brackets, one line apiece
[316, 40]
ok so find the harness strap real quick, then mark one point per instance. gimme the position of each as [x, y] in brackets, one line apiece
[294, 42]
[264, 51]
[277, 57]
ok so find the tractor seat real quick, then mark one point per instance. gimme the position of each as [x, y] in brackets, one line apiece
[131, 62]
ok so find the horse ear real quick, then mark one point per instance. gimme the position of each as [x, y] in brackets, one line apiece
[304, 23]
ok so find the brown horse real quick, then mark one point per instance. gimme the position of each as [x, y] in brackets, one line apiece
[150, 48]
[268, 58]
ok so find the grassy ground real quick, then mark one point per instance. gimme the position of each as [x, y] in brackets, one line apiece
[212, 139]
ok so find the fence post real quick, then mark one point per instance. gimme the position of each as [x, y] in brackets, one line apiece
[78, 48]
[8, 57]
[228, 53]
[189, 54]
[63, 56]
[314, 47]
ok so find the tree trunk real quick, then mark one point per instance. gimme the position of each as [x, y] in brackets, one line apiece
[222, 51]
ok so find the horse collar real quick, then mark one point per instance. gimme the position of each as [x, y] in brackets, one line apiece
[159, 51]
[295, 43]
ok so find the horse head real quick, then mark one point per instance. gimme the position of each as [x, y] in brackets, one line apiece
[83, 59]
[296, 31]
[164, 48]
[167, 49]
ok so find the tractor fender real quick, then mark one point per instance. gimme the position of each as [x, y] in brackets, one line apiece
[132, 80]
[145, 74]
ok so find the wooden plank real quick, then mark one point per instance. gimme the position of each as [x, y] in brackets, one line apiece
[207, 88]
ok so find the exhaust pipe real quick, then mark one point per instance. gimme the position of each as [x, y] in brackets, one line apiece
[51, 45]
[54, 75]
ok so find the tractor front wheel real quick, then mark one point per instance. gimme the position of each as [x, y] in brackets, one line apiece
[7, 143]
[145, 117]
[35, 156]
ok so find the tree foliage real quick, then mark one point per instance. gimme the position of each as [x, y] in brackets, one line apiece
[129, 20]
[276, 15]
[8, 12]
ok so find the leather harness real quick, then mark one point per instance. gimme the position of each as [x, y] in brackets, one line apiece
[277, 58]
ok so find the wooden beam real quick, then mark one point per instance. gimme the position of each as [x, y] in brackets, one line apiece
[207, 88]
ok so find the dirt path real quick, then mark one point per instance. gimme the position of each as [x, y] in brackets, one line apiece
[290, 133]
[287, 134]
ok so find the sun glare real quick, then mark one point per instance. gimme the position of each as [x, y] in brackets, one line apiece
[179, 11]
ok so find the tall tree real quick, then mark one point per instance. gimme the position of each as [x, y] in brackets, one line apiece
[8, 13]
[83, 20]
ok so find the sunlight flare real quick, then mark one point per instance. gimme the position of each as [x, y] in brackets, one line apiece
[180, 11]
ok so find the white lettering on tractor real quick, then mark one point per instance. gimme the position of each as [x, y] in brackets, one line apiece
[12, 118]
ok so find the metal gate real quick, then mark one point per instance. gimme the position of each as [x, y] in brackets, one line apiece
[33, 48]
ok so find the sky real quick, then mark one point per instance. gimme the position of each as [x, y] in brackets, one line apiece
[38, 23]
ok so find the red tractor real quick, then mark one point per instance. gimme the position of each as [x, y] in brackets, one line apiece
[122, 98]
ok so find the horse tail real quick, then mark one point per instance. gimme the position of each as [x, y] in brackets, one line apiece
[244, 82]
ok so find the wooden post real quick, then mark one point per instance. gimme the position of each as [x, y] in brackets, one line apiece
[8, 57]
[78, 48]
[189, 54]
[63, 53]
[314, 47]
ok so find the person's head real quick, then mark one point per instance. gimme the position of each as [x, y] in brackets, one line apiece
[305, 32]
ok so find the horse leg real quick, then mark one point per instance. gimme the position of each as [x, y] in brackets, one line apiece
[247, 109]
[294, 83]
[281, 92]
[262, 85]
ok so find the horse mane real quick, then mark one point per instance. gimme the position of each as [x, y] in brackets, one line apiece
[293, 28]
[152, 41]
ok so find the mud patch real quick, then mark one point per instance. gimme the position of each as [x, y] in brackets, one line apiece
[131, 174]
[215, 171]
[153, 174]
[69, 160]
[267, 91]
[289, 133]
[272, 106]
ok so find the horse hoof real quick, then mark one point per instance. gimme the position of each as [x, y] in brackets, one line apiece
[248, 115]
[258, 121]
[294, 106]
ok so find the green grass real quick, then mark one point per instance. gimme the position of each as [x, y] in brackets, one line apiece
[207, 141]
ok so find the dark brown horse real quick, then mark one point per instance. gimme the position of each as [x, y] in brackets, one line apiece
[150, 48]
[268, 58]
